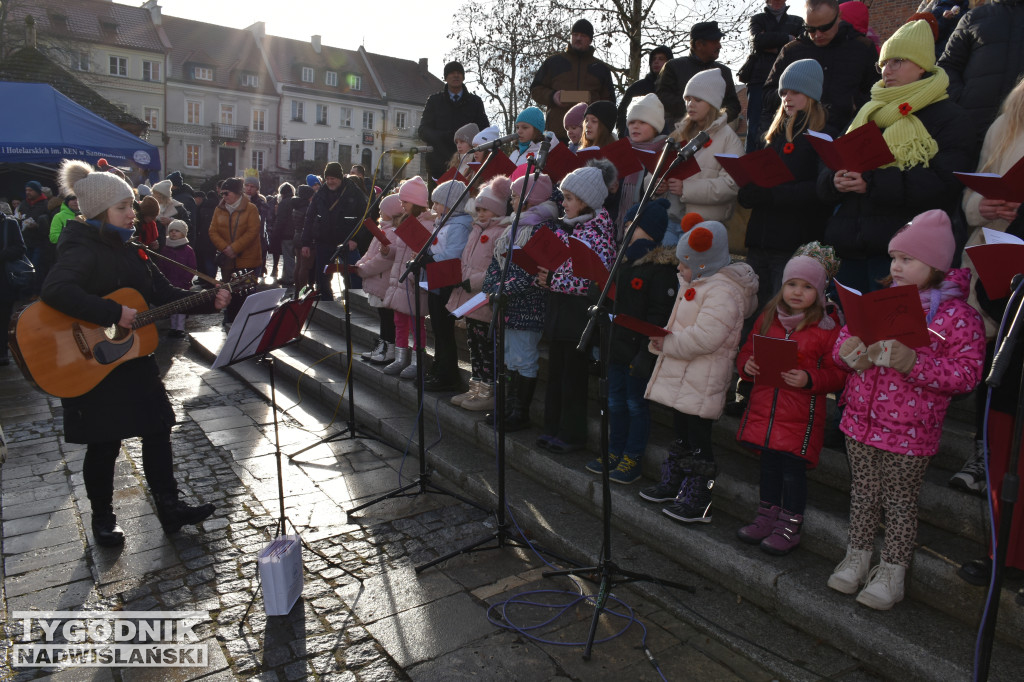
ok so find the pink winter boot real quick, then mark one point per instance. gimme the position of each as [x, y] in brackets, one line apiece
[785, 535]
[762, 526]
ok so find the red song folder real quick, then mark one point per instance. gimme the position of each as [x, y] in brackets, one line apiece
[560, 163]
[773, 357]
[500, 165]
[893, 313]
[1006, 187]
[444, 273]
[586, 263]
[378, 233]
[640, 326]
[687, 169]
[763, 168]
[997, 261]
[451, 174]
[859, 150]
[412, 232]
[543, 250]
[620, 153]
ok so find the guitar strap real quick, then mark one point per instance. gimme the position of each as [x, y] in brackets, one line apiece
[201, 275]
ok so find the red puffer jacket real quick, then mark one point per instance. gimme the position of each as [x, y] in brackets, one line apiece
[792, 420]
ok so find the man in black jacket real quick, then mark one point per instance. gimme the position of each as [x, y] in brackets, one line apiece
[770, 30]
[645, 86]
[183, 192]
[444, 113]
[331, 215]
[705, 45]
[984, 58]
[848, 63]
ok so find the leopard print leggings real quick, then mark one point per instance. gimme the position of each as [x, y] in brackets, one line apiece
[886, 480]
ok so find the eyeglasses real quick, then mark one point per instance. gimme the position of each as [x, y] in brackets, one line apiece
[823, 28]
[896, 63]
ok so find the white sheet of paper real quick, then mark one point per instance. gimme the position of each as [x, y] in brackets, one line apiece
[470, 305]
[997, 237]
[249, 325]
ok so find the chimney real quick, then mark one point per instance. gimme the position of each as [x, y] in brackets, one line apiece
[423, 63]
[316, 44]
[30, 31]
[154, 11]
[258, 29]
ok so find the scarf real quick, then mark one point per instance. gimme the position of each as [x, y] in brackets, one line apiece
[176, 242]
[231, 208]
[631, 186]
[534, 215]
[639, 248]
[790, 321]
[909, 141]
[931, 299]
[122, 233]
[523, 146]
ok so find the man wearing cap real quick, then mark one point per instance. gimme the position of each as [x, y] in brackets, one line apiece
[705, 45]
[848, 63]
[332, 213]
[444, 113]
[35, 229]
[574, 71]
[645, 86]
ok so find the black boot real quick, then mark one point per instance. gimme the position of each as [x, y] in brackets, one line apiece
[511, 384]
[519, 418]
[173, 513]
[105, 529]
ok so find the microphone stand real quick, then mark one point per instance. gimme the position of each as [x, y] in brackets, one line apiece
[1010, 485]
[340, 255]
[599, 317]
[414, 267]
[502, 535]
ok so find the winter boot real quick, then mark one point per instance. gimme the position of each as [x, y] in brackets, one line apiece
[379, 348]
[508, 384]
[971, 478]
[627, 471]
[519, 418]
[851, 571]
[402, 360]
[884, 588]
[483, 400]
[474, 388]
[386, 356]
[693, 501]
[676, 466]
[173, 513]
[762, 526]
[596, 465]
[785, 534]
[105, 530]
[410, 370]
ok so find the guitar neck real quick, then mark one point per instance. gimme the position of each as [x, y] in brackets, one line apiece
[182, 304]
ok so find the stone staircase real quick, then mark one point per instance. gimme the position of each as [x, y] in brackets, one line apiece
[930, 636]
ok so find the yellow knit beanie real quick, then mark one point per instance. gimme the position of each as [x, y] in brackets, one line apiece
[913, 41]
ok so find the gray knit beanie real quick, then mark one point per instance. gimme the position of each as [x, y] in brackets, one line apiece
[467, 132]
[587, 183]
[804, 76]
[704, 249]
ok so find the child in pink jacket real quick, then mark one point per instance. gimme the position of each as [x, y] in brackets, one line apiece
[896, 399]
[375, 270]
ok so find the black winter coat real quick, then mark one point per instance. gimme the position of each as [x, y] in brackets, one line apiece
[863, 224]
[768, 35]
[790, 214]
[441, 118]
[186, 195]
[331, 216]
[672, 83]
[984, 58]
[644, 86]
[646, 289]
[849, 66]
[14, 251]
[131, 401]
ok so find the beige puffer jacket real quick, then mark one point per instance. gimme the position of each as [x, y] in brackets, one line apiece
[711, 192]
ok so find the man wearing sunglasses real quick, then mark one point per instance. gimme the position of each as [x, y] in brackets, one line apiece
[848, 63]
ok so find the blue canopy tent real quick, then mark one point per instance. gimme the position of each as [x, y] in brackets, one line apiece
[40, 125]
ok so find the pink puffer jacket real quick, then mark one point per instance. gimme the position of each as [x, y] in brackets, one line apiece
[399, 297]
[476, 257]
[375, 266]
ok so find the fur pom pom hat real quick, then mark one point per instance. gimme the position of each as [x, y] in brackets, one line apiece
[494, 196]
[96, 191]
[704, 249]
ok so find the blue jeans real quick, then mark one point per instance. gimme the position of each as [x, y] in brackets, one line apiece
[522, 353]
[629, 415]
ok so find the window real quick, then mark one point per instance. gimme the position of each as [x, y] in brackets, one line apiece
[202, 73]
[152, 116]
[194, 112]
[307, 74]
[259, 119]
[118, 66]
[345, 155]
[320, 151]
[400, 119]
[355, 82]
[227, 114]
[296, 110]
[192, 156]
[368, 120]
[257, 159]
[296, 151]
[250, 80]
[80, 61]
[321, 114]
[346, 117]
[331, 78]
[151, 71]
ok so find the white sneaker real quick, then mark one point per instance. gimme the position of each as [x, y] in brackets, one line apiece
[379, 348]
[851, 571]
[884, 588]
[971, 478]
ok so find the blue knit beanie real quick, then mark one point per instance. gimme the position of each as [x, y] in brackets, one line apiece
[803, 76]
[533, 116]
[312, 180]
[654, 219]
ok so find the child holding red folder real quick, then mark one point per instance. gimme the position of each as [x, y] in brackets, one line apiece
[786, 426]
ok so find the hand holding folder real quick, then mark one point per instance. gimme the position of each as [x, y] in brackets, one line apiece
[543, 250]
[893, 313]
[859, 150]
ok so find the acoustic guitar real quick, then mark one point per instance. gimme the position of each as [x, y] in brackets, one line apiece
[67, 357]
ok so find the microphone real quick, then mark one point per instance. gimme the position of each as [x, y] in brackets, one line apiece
[687, 151]
[411, 151]
[494, 144]
[545, 147]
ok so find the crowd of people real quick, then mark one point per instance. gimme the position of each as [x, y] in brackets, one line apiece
[904, 223]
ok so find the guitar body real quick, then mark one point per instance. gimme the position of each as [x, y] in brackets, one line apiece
[66, 357]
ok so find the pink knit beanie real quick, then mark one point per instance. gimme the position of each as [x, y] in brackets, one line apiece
[809, 270]
[539, 191]
[391, 206]
[574, 117]
[414, 190]
[928, 237]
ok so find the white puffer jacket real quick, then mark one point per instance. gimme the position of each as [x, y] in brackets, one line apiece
[711, 192]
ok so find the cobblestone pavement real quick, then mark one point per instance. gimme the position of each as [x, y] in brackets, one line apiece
[396, 625]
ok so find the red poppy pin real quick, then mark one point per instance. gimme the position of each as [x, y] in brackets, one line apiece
[142, 255]
[708, 143]
[787, 148]
[690, 294]
[484, 239]
[637, 283]
[435, 241]
[905, 108]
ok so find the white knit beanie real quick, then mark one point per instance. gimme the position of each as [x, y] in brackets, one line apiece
[96, 190]
[707, 85]
[650, 110]
[179, 225]
[163, 188]
[488, 134]
[587, 183]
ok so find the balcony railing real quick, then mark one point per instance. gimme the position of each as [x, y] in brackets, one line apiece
[229, 131]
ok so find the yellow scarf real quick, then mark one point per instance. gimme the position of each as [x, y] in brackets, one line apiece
[893, 110]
